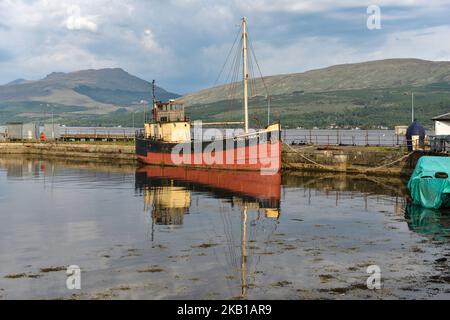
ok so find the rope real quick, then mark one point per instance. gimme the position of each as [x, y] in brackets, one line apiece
[228, 57]
[330, 167]
[306, 158]
[252, 51]
[391, 163]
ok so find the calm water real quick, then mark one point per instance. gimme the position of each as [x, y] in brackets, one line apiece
[157, 233]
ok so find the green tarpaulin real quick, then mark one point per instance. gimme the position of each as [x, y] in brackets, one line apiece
[427, 190]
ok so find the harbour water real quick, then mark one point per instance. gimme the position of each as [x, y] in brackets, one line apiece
[161, 233]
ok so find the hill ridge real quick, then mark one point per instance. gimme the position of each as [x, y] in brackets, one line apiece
[370, 94]
[78, 94]
[340, 77]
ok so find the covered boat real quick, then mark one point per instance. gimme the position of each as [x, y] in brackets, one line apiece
[429, 184]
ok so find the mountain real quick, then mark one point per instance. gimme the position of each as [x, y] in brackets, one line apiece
[367, 94]
[17, 81]
[85, 94]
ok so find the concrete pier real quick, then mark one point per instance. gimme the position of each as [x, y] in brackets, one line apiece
[350, 159]
[95, 152]
[344, 159]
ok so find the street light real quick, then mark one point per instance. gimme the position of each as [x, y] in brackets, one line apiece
[412, 105]
[53, 125]
[144, 103]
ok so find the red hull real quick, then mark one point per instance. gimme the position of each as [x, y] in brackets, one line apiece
[264, 156]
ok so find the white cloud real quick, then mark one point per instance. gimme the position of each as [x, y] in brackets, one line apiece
[317, 52]
[76, 21]
[305, 54]
[148, 41]
[80, 23]
[426, 43]
[307, 6]
[66, 58]
[183, 43]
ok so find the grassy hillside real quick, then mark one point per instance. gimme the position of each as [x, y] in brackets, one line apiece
[369, 94]
[365, 108]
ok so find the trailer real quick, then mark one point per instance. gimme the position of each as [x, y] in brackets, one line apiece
[19, 131]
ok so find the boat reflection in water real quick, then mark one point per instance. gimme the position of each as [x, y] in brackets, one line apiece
[167, 195]
[167, 190]
[433, 223]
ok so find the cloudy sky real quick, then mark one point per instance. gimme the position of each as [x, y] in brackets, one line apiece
[183, 43]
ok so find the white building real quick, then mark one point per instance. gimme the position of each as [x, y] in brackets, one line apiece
[442, 125]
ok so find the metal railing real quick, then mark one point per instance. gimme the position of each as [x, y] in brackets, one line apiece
[440, 143]
[123, 134]
[346, 138]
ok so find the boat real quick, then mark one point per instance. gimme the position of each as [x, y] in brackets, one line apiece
[167, 140]
[429, 185]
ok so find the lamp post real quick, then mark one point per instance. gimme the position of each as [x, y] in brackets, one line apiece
[412, 104]
[144, 103]
[53, 123]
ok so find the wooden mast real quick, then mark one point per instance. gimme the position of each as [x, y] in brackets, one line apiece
[245, 73]
[153, 101]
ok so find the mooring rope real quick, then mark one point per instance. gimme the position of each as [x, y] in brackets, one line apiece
[391, 163]
[334, 168]
[306, 158]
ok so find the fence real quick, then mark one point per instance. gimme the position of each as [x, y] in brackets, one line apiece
[335, 137]
[108, 134]
[440, 143]
[344, 137]
[86, 133]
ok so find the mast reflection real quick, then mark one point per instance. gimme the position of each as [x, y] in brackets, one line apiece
[167, 195]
